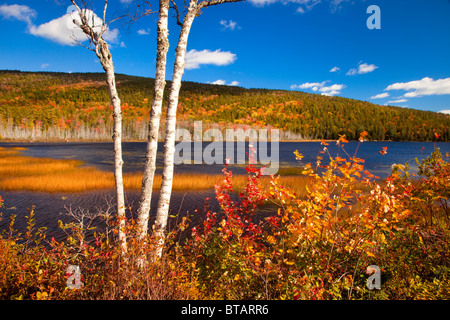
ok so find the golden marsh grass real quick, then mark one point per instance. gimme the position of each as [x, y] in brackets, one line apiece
[22, 173]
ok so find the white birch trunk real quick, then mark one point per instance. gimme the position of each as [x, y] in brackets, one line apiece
[106, 61]
[155, 115]
[169, 142]
[86, 24]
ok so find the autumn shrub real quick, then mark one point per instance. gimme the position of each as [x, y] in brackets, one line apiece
[32, 267]
[319, 247]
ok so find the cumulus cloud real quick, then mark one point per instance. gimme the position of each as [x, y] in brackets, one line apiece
[18, 12]
[362, 69]
[366, 68]
[305, 5]
[230, 25]
[445, 111]
[380, 96]
[219, 82]
[335, 69]
[424, 87]
[314, 86]
[223, 83]
[336, 5]
[261, 3]
[332, 90]
[196, 58]
[63, 30]
[143, 31]
[397, 101]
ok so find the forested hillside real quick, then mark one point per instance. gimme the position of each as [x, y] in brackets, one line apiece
[52, 106]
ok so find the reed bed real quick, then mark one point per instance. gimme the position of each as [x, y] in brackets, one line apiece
[22, 173]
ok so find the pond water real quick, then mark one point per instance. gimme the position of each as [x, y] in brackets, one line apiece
[50, 208]
[100, 154]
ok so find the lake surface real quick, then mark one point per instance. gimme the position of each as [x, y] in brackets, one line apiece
[100, 155]
[50, 207]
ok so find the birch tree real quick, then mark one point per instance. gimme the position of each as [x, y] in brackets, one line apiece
[193, 10]
[155, 116]
[94, 30]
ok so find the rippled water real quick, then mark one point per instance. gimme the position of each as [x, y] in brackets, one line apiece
[50, 208]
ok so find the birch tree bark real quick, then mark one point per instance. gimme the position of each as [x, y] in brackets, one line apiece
[155, 116]
[100, 47]
[169, 142]
[162, 214]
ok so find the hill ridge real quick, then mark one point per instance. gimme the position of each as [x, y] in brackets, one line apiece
[47, 105]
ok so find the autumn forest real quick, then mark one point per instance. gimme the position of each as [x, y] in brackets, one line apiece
[51, 106]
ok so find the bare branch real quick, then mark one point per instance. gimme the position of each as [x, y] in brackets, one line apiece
[174, 6]
[207, 3]
[139, 13]
[82, 45]
[104, 13]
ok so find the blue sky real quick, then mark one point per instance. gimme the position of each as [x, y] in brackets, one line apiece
[317, 46]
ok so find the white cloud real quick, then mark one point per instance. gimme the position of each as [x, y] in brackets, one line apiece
[334, 87]
[380, 96]
[122, 44]
[330, 93]
[196, 58]
[366, 68]
[332, 90]
[362, 69]
[63, 30]
[305, 5]
[18, 12]
[309, 85]
[397, 101]
[424, 87]
[223, 83]
[143, 31]
[231, 25]
[335, 69]
[126, 1]
[352, 72]
[336, 5]
[220, 82]
[308, 5]
[44, 65]
[445, 111]
[261, 3]
[320, 86]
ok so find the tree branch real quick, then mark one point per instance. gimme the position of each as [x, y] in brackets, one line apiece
[207, 3]
[138, 15]
[104, 13]
[174, 6]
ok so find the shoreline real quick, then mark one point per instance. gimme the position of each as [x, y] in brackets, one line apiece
[27, 173]
[224, 140]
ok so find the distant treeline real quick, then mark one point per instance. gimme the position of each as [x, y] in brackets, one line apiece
[75, 106]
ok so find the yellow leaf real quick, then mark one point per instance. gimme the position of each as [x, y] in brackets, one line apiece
[383, 238]
[288, 262]
[271, 239]
[370, 254]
